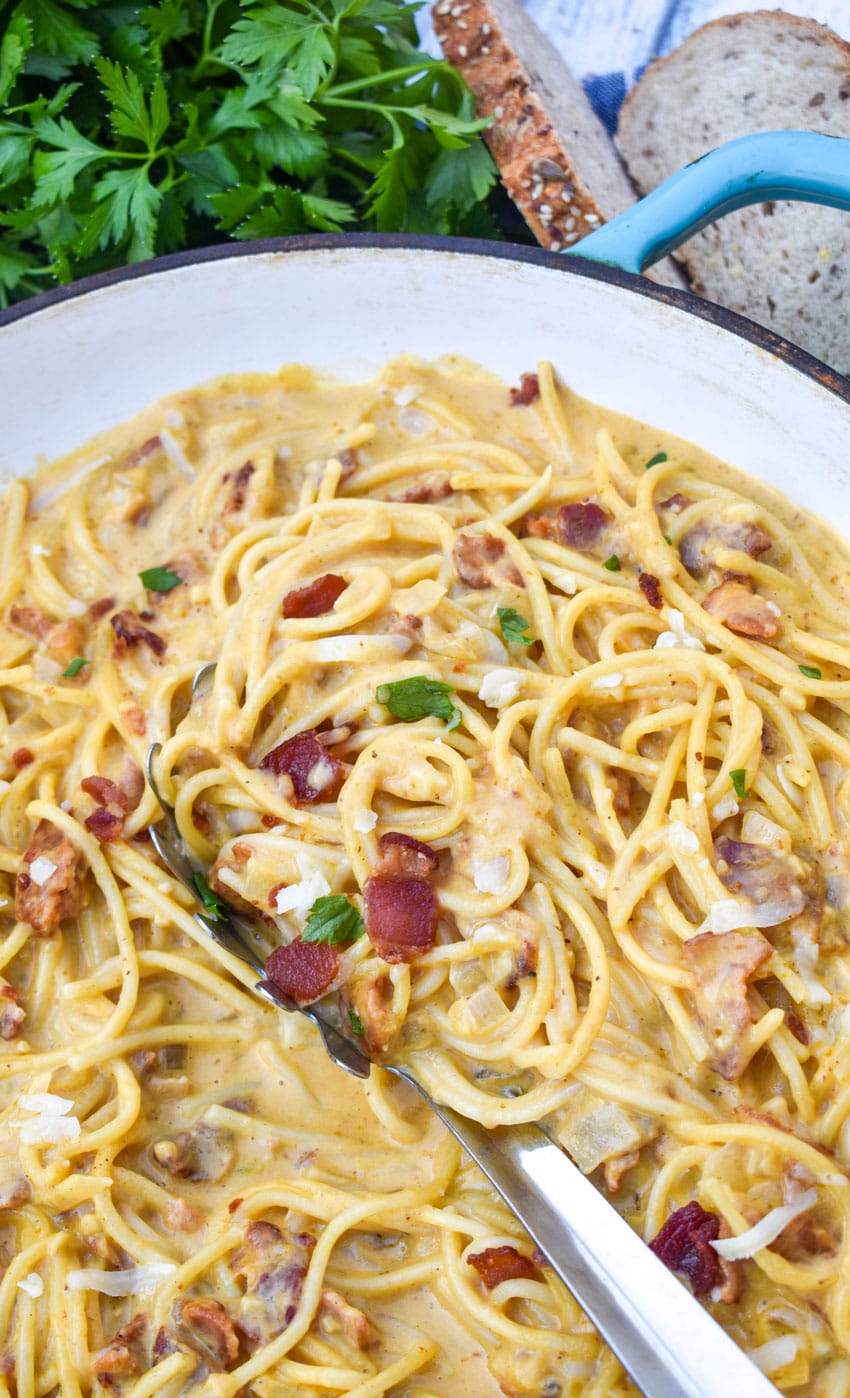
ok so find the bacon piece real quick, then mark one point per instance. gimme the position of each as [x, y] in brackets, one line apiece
[401, 917]
[303, 970]
[741, 610]
[722, 963]
[238, 489]
[481, 560]
[338, 1314]
[99, 608]
[371, 1000]
[130, 632]
[403, 857]
[12, 1012]
[684, 1245]
[115, 802]
[23, 757]
[315, 774]
[203, 1153]
[760, 874]
[576, 526]
[30, 620]
[316, 598]
[528, 391]
[273, 1265]
[123, 1356]
[206, 1327]
[45, 905]
[651, 589]
[675, 503]
[148, 448]
[426, 492]
[496, 1265]
[699, 546]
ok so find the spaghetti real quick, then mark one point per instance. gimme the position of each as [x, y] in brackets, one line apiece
[528, 744]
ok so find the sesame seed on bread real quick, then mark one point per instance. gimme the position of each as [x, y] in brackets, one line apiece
[786, 265]
[556, 160]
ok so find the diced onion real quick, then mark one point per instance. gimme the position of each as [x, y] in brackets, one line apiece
[176, 454]
[365, 820]
[681, 839]
[490, 875]
[49, 1130]
[766, 1231]
[775, 1354]
[45, 1103]
[731, 914]
[131, 1281]
[499, 688]
[32, 1285]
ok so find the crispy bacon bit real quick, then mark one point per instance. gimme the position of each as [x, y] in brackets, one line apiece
[371, 999]
[802, 1239]
[402, 857]
[101, 607]
[741, 610]
[576, 526]
[335, 1314]
[67, 639]
[130, 632]
[675, 503]
[123, 1356]
[270, 822]
[31, 621]
[481, 560]
[182, 1216]
[273, 1266]
[618, 1166]
[239, 489]
[22, 757]
[651, 589]
[722, 963]
[136, 721]
[699, 546]
[732, 1281]
[684, 1245]
[303, 970]
[12, 1012]
[496, 1265]
[316, 598]
[760, 874]
[203, 1153]
[426, 492]
[205, 1326]
[45, 905]
[796, 1026]
[401, 916]
[105, 825]
[148, 448]
[314, 773]
[115, 803]
[528, 391]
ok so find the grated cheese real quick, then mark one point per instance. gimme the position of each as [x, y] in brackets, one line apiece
[725, 807]
[766, 1231]
[32, 1285]
[364, 821]
[678, 637]
[681, 839]
[499, 688]
[130, 1281]
[299, 897]
[42, 869]
[612, 681]
[490, 875]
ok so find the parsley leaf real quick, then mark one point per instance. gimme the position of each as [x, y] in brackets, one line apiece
[131, 130]
[418, 697]
[612, 564]
[333, 919]
[160, 579]
[810, 671]
[656, 460]
[738, 777]
[75, 667]
[215, 907]
[512, 625]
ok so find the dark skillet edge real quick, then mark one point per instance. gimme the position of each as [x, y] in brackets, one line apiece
[574, 265]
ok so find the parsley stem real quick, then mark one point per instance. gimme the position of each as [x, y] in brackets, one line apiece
[375, 80]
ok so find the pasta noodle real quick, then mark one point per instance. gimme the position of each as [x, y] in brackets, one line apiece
[528, 744]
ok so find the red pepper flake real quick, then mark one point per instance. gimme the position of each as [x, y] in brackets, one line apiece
[528, 391]
[22, 757]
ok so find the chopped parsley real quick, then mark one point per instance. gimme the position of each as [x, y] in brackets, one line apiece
[333, 919]
[811, 672]
[512, 625]
[668, 540]
[160, 579]
[656, 460]
[738, 777]
[419, 697]
[612, 564]
[77, 664]
[355, 1021]
[215, 907]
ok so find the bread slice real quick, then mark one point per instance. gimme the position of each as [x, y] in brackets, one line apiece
[556, 159]
[783, 264]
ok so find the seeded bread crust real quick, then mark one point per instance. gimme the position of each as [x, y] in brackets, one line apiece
[786, 265]
[556, 160]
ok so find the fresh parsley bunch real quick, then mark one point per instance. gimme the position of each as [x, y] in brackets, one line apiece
[129, 130]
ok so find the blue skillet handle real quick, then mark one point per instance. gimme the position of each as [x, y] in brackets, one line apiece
[771, 165]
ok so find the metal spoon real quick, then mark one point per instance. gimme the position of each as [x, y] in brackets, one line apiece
[670, 1346]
